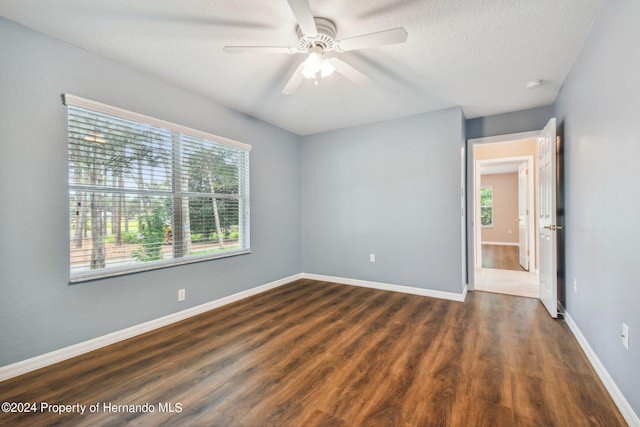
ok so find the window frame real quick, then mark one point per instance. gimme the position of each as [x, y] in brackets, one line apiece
[490, 206]
[177, 195]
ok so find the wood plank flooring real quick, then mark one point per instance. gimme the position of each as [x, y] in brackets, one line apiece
[503, 257]
[313, 353]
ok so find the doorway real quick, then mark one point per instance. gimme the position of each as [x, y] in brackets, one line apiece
[504, 210]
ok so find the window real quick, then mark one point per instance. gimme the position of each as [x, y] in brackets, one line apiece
[146, 194]
[486, 207]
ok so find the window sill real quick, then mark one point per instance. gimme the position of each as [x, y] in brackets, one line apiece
[149, 266]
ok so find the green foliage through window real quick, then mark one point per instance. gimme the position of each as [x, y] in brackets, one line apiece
[140, 193]
[486, 206]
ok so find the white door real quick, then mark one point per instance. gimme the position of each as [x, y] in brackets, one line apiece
[546, 208]
[523, 214]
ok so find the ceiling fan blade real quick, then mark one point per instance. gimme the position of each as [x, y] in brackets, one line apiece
[302, 11]
[260, 49]
[348, 71]
[395, 35]
[295, 80]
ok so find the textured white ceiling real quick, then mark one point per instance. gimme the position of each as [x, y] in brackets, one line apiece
[477, 54]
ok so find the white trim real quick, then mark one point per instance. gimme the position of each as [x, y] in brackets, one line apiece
[511, 137]
[28, 365]
[501, 243]
[477, 164]
[390, 287]
[625, 408]
[152, 265]
[463, 215]
[472, 223]
[88, 104]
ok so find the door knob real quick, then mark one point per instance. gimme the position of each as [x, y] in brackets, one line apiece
[553, 227]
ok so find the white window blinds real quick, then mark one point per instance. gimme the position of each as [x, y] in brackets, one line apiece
[145, 193]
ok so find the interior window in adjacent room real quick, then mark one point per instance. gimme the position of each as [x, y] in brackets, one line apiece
[486, 206]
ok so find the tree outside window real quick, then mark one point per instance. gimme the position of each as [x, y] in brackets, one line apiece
[144, 196]
[486, 206]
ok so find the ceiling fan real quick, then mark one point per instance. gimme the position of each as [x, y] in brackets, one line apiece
[317, 36]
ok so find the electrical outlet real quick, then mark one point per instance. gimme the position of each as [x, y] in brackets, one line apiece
[372, 257]
[625, 336]
[181, 295]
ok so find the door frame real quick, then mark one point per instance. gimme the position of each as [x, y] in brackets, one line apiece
[477, 165]
[471, 183]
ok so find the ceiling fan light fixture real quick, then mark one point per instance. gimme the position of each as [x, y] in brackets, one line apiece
[316, 63]
[326, 68]
[312, 64]
[316, 36]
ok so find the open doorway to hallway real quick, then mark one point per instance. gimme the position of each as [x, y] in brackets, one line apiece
[504, 209]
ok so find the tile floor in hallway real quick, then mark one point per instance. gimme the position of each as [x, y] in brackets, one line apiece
[520, 283]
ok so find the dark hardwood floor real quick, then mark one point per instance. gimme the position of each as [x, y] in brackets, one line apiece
[314, 353]
[502, 257]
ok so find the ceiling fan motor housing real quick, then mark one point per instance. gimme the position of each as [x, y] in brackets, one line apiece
[326, 38]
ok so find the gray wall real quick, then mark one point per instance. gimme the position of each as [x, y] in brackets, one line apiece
[391, 188]
[39, 311]
[597, 109]
[503, 124]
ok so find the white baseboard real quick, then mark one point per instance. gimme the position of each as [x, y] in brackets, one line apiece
[389, 287]
[28, 365]
[625, 408]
